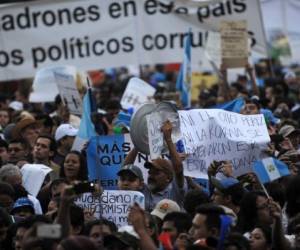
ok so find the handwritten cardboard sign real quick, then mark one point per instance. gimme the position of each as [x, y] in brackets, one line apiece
[113, 205]
[234, 43]
[215, 134]
[155, 136]
[69, 93]
[136, 93]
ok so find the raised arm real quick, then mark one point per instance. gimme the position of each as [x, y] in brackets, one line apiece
[174, 155]
[130, 158]
[251, 73]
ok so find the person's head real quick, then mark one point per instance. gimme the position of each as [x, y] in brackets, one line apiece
[292, 196]
[74, 167]
[23, 207]
[17, 151]
[160, 174]
[27, 129]
[23, 225]
[251, 107]
[112, 107]
[206, 222]
[236, 241]
[93, 229]
[4, 224]
[254, 209]
[293, 134]
[57, 186]
[65, 135]
[126, 238]
[77, 220]
[3, 151]
[228, 192]
[261, 238]
[11, 174]
[7, 195]
[4, 117]
[77, 242]
[130, 178]
[193, 199]
[44, 149]
[176, 223]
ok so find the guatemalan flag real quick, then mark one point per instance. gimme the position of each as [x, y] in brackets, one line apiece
[86, 128]
[184, 82]
[270, 169]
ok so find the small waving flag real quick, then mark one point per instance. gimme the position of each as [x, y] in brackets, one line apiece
[270, 169]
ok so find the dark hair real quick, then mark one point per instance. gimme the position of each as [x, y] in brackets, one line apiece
[82, 174]
[277, 192]
[3, 143]
[31, 220]
[267, 231]
[236, 192]
[19, 140]
[292, 196]
[78, 242]
[212, 213]
[248, 211]
[90, 224]
[112, 226]
[57, 182]
[52, 145]
[4, 217]
[194, 198]
[238, 240]
[7, 189]
[182, 221]
[77, 216]
[20, 191]
[292, 224]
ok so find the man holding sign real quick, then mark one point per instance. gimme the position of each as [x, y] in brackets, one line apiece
[166, 179]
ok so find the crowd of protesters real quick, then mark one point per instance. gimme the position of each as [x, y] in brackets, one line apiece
[234, 213]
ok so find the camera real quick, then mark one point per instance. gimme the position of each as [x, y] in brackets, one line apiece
[49, 231]
[84, 187]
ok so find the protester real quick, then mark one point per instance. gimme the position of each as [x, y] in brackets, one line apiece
[74, 167]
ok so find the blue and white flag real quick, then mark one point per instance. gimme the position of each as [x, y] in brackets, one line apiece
[86, 128]
[184, 79]
[233, 106]
[270, 169]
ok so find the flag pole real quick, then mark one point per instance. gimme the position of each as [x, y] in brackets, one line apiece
[264, 189]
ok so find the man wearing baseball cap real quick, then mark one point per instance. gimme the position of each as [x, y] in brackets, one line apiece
[64, 136]
[130, 178]
[165, 178]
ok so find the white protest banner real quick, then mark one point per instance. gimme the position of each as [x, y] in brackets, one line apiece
[136, 93]
[113, 205]
[69, 93]
[215, 134]
[155, 136]
[33, 176]
[234, 43]
[98, 34]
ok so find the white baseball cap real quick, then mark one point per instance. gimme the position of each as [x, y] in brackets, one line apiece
[65, 130]
[164, 207]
